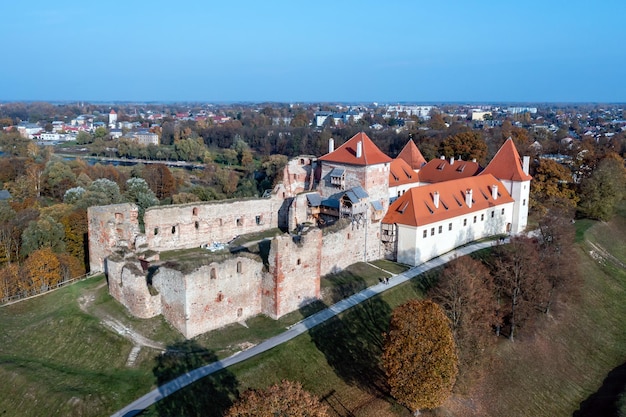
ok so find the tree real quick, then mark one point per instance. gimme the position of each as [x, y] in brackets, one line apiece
[557, 254]
[58, 177]
[419, 355]
[287, 399]
[603, 190]
[99, 193]
[9, 280]
[552, 180]
[466, 145]
[43, 233]
[520, 282]
[160, 179]
[83, 138]
[42, 270]
[138, 192]
[466, 292]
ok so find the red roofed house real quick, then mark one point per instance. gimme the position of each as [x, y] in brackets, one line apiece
[459, 205]
[430, 220]
[356, 163]
[512, 171]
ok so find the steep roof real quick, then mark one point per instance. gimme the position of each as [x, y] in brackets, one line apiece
[412, 155]
[416, 207]
[347, 153]
[507, 164]
[439, 170]
[400, 173]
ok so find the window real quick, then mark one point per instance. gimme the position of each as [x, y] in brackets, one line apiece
[156, 231]
[119, 217]
[449, 226]
[492, 213]
[502, 212]
[196, 225]
[349, 236]
[195, 211]
[298, 262]
[523, 202]
[464, 222]
[259, 220]
[474, 219]
[173, 229]
[220, 297]
[482, 217]
[239, 267]
[432, 231]
[239, 312]
[240, 222]
[425, 234]
[440, 229]
[220, 222]
[213, 273]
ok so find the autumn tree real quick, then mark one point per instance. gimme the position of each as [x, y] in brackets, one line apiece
[287, 399]
[603, 189]
[466, 145]
[9, 280]
[520, 284]
[551, 181]
[160, 179]
[42, 270]
[419, 355]
[76, 228]
[466, 292]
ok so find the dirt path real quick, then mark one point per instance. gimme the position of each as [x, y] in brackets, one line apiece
[600, 254]
[139, 341]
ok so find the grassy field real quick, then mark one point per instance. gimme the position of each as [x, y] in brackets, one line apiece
[57, 358]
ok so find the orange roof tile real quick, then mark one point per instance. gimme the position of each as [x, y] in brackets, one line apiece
[347, 153]
[416, 207]
[412, 155]
[400, 173]
[507, 164]
[438, 170]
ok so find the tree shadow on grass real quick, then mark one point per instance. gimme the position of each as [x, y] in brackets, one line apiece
[353, 345]
[604, 402]
[209, 396]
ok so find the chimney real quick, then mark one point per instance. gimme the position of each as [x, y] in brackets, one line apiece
[436, 199]
[494, 192]
[468, 197]
[452, 160]
[526, 164]
[331, 145]
[359, 149]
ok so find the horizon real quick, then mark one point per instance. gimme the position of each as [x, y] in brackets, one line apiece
[283, 52]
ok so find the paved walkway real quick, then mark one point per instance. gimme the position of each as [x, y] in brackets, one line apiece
[297, 329]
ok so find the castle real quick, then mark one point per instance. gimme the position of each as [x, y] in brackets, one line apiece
[403, 209]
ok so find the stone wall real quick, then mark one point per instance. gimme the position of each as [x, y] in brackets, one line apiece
[294, 272]
[128, 285]
[192, 225]
[110, 227]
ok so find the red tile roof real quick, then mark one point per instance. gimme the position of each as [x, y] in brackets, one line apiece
[412, 155]
[416, 207]
[400, 173]
[507, 164]
[439, 170]
[347, 153]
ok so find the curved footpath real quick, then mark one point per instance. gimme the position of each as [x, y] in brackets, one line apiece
[297, 329]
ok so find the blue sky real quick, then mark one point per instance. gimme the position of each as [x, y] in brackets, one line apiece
[297, 51]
